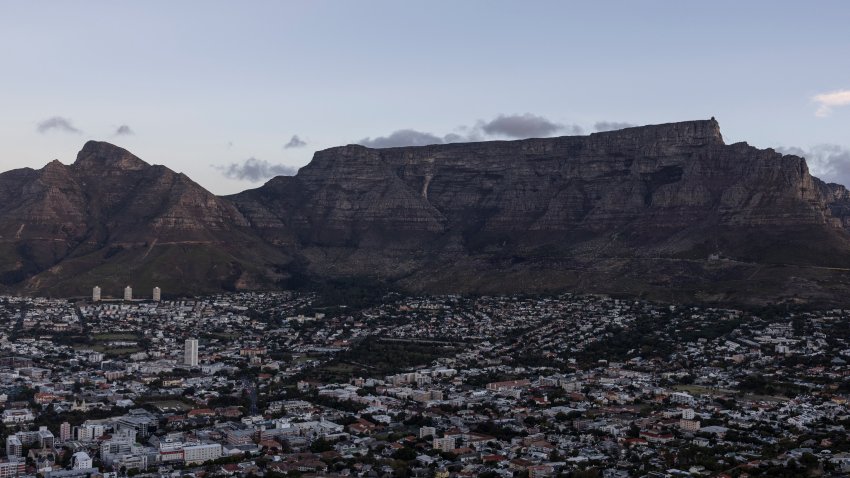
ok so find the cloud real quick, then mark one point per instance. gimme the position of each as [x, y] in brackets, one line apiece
[402, 137]
[455, 138]
[124, 130]
[525, 126]
[295, 142]
[511, 126]
[57, 123]
[601, 126]
[829, 162]
[255, 170]
[827, 101]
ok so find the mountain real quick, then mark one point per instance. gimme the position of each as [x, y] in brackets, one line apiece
[112, 219]
[664, 211]
[669, 211]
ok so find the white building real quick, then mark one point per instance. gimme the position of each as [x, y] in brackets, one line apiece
[190, 356]
[157, 294]
[21, 415]
[445, 444]
[82, 461]
[119, 445]
[95, 294]
[682, 398]
[128, 293]
[196, 454]
[14, 447]
[89, 432]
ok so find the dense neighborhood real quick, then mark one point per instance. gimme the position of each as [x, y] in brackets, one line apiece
[285, 384]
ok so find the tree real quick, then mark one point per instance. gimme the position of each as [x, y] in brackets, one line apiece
[321, 445]
[406, 454]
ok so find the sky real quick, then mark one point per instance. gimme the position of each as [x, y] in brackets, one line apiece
[232, 93]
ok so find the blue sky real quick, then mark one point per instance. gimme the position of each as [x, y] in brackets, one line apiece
[202, 86]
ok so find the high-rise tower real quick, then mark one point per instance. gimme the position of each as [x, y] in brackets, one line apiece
[190, 355]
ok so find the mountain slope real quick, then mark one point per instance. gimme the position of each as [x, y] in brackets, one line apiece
[112, 219]
[667, 210]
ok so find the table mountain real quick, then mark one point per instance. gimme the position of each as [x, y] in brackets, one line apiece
[666, 211]
[669, 210]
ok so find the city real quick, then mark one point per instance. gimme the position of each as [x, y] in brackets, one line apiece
[281, 384]
[442, 239]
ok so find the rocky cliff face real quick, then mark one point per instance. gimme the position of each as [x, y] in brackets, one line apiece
[669, 211]
[111, 218]
[667, 176]
[670, 205]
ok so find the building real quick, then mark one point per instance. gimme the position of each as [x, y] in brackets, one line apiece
[118, 446]
[445, 444]
[508, 385]
[20, 415]
[689, 425]
[14, 446]
[682, 398]
[196, 454]
[190, 356]
[128, 293]
[45, 438]
[157, 294]
[65, 432]
[82, 461]
[95, 294]
[12, 468]
[239, 437]
[41, 438]
[138, 420]
[88, 432]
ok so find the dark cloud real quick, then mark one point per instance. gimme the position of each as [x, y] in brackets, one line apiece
[611, 126]
[525, 126]
[123, 130]
[295, 142]
[511, 126]
[829, 162]
[255, 170]
[402, 137]
[56, 123]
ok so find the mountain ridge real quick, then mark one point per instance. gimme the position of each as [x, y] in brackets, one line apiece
[667, 211]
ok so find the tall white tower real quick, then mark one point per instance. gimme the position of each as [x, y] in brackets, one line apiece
[157, 294]
[128, 293]
[190, 355]
[95, 294]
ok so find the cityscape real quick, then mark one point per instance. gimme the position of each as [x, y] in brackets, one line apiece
[278, 384]
[434, 239]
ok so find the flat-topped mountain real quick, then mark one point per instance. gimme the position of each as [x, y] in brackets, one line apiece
[669, 211]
